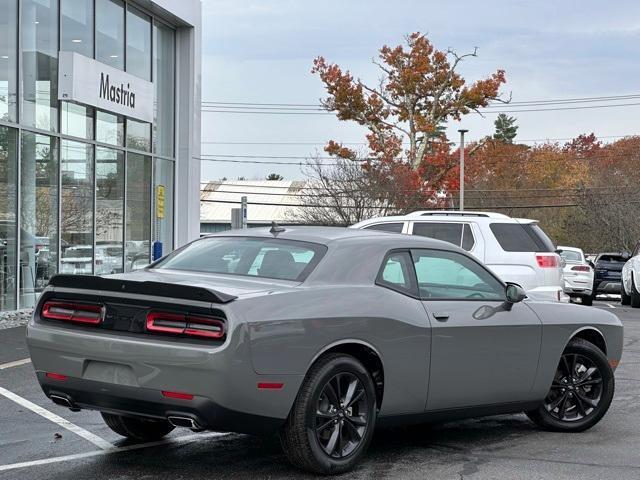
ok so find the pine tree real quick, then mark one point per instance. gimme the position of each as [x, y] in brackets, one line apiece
[506, 128]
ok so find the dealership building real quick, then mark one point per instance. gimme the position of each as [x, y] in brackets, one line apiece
[99, 137]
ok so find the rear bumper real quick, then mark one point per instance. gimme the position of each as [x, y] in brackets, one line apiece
[135, 401]
[552, 293]
[608, 286]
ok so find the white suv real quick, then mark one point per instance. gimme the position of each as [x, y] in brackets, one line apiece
[516, 249]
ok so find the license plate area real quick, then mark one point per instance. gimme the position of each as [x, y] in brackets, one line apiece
[108, 372]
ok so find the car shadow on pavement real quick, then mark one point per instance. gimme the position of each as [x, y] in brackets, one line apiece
[393, 452]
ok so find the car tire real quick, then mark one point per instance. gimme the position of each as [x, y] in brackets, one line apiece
[587, 300]
[577, 406]
[321, 435]
[137, 428]
[625, 299]
[634, 299]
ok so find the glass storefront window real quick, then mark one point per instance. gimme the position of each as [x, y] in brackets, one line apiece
[8, 59]
[40, 63]
[138, 44]
[163, 204]
[109, 211]
[76, 26]
[76, 169]
[138, 212]
[164, 83]
[77, 120]
[110, 32]
[8, 227]
[38, 215]
[138, 135]
[109, 128]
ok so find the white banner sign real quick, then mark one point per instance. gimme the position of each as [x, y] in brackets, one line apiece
[84, 80]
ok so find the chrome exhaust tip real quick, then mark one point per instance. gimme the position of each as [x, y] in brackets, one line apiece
[63, 401]
[186, 422]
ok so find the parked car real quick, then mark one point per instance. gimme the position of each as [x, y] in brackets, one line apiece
[319, 334]
[516, 249]
[608, 272]
[78, 259]
[578, 275]
[630, 286]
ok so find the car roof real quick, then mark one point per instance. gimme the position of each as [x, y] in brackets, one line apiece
[573, 249]
[445, 215]
[326, 235]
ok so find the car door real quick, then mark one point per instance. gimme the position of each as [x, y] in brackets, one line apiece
[483, 349]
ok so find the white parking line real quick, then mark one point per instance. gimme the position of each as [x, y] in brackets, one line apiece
[87, 435]
[17, 363]
[610, 306]
[114, 449]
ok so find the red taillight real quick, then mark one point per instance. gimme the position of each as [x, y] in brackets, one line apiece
[56, 376]
[73, 312]
[581, 268]
[547, 261]
[178, 395]
[185, 324]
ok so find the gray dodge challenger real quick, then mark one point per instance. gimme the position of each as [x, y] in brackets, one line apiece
[319, 334]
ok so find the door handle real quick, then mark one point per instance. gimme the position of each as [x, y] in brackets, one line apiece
[441, 316]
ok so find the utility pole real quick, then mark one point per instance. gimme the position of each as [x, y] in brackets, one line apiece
[462, 132]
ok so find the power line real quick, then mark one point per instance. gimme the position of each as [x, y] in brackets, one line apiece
[302, 205]
[484, 110]
[365, 143]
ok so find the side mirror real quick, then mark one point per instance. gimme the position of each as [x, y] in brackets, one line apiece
[515, 293]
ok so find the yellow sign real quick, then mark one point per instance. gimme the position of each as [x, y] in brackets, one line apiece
[160, 201]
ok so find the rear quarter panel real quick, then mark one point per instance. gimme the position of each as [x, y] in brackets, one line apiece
[560, 323]
[288, 331]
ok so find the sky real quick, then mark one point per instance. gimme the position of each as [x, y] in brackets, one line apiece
[262, 52]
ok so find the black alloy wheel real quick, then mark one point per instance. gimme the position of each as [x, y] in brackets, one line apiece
[341, 415]
[332, 420]
[581, 391]
[576, 389]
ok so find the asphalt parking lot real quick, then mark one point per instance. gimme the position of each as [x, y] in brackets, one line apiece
[40, 440]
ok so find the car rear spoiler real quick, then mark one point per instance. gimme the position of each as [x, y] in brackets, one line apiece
[159, 289]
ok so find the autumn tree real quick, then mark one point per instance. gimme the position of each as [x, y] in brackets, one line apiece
[419, 91]
[506, 128]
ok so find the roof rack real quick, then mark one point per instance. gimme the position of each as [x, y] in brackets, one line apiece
[456, 213]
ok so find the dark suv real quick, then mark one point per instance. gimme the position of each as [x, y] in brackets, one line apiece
[608, 272]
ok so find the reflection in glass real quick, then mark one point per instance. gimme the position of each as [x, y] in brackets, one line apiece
[76, 26]
[163, 204]
[8, 59]
[40, 63]
[163, 81]
[77, 120]
[38, 215]
[76, 213]
[138, 135]
[138, 210]
[8, 187]
[109, 211]
[138, 44]
[109, 128]
[110, 32]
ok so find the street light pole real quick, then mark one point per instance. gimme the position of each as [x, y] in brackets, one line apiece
[462, 132]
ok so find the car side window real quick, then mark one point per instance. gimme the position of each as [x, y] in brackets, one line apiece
[450, 275]
[458, 234]
[395, 227]
[396, 273]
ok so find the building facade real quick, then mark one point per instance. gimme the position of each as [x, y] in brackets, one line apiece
[99, 137]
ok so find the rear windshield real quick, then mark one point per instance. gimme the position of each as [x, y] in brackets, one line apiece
[78, 252]
[611, 258]
[521, 237]
[571, 256]
[252, 256]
